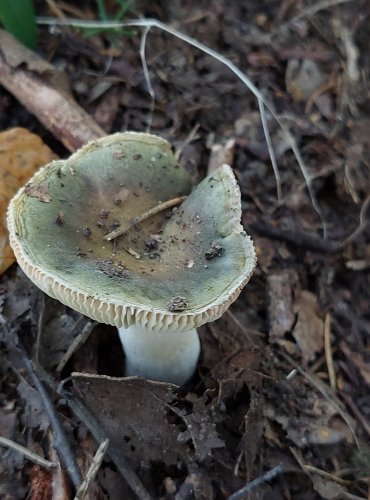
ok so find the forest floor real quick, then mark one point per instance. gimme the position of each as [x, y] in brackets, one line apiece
[279, 407]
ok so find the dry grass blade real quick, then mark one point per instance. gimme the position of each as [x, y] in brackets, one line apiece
[147, 76]
[93, 470]
[328, 352]
[325, 393]
[78, 341]
[263, 103]
[363, 224]
[145, 215]
[27, 453]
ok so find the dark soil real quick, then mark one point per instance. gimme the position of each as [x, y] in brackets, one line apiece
[281, 394]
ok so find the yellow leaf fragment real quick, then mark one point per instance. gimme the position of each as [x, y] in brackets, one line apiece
[21, 154]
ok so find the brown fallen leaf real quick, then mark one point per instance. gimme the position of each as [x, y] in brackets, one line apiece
[280, 294]
[143, 418]
[22, 153]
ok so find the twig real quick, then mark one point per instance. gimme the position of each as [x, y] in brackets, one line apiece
[247, 331]
[145, 23]
[77, 342]
[145, 215]
[323, 391]
[93, 470]
[61, 443]
[27, 453]
[311, 469]
[22, 72]
[328, 352]
[191, 136]
[267, 476]
[295, 237]
[327, 475]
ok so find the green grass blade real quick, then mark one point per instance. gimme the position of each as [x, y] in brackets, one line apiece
[18, 17]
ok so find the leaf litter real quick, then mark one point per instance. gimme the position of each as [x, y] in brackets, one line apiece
[247, 409]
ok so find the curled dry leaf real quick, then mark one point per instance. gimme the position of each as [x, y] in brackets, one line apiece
[22, 153]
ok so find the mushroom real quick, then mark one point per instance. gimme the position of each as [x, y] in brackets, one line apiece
[104, 233]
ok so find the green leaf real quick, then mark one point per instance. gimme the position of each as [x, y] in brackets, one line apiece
[18, 17]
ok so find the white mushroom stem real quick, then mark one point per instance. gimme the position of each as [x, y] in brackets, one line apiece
[167, 357]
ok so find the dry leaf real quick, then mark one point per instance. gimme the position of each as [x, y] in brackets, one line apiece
[280, 293]
[22, 153]
[309, 328]
[142, 417]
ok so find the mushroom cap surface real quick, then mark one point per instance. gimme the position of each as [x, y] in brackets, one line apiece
[175, 270]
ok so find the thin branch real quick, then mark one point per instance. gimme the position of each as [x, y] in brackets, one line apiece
[93, 470]
[61, 443]
[53, 106]
[267, 476]
[327, 475]
[27, 453]
[295, 237]
[77, 342]
[145, 215]
[328, 352]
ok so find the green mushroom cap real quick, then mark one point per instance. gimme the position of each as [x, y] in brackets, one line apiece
[176, 269]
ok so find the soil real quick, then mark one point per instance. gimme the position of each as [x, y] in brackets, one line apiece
[279, 407]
